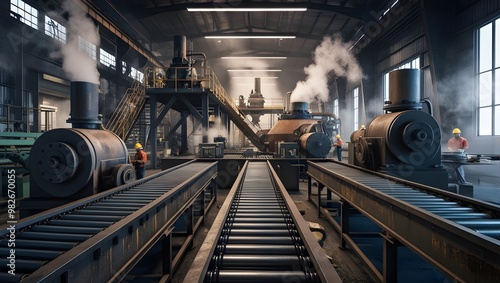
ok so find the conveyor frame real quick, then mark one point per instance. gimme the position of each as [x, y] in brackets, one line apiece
[201, 264]
[462, 253]
[110, 254]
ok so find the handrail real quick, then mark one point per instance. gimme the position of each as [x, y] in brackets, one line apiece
[156, 78]
[127, 110]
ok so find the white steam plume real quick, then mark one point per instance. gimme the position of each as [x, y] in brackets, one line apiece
[331, 56]
[78, 65]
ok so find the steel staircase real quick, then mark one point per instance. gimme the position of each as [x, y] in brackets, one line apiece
[128, 110]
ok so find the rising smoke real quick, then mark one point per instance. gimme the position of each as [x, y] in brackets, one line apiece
[331, 57]
[78, 65]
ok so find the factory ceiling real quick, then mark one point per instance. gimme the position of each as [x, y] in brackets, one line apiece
[153, 24]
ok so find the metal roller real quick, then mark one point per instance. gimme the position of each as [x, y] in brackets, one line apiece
[66, 237]
[49, 238]
[32, 254]
[442, 216]
[258, 249]
[66, 229]
[24, 265]
[269, 240]
[259, 241]
[265, 262]
[263, 276]
[38, 244]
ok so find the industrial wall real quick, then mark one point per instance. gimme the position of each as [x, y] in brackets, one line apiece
[33, 84]
[442, 35]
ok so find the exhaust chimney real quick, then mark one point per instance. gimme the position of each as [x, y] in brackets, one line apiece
[179, 50]
[404, 90]
[84, 106]
[257, 85]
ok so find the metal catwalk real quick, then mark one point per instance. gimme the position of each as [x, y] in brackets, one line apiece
[260, 236]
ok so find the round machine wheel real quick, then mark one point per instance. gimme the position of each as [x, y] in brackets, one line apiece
[59, 161]
[123, 174]
[362, 151]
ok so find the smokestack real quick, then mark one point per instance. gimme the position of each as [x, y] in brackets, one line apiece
[404, 90]
[300, 108]
[257, 85]
[179, 49]
[84, 105]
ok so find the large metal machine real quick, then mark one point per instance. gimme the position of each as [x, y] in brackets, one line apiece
[406, 141]
[72, 163]
[181, 73]
[299, 127]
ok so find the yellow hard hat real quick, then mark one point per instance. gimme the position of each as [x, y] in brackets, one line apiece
[337, 136]
[457, 131]
[138, 146]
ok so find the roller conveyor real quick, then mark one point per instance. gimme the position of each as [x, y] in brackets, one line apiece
[455, 233]
[56, 245]
[259, 236]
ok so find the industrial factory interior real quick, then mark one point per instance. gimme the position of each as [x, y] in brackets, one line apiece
[250, 141]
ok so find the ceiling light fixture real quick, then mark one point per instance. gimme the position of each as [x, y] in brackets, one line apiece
[254, 70]
[254, 77]
[252, 57]
[248, 36]
[216, 9]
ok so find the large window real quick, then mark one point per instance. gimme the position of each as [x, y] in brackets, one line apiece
[489, 79]
[413, 64]
[26, 14]
[87, 47]
[136, 74]
[336, 108]
[355, 94]
[107, 59]
[55, 29]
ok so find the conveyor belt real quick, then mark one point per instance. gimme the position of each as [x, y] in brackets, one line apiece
[56, 245]
[459, 235]
[259, 236]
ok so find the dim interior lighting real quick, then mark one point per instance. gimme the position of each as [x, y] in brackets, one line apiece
[218, 9]
[252, 57]
[248, 36]
[252, 70]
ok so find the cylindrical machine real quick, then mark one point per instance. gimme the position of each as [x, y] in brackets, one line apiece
[404, 90]
[84, 106]
[64, 161]
[257, 85]
[81, 161]
[317, 145]
[412, 137]
[406, 142]
[300, 108]
[179, 49]
[300, 127]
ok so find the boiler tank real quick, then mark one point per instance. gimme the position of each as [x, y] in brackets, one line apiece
[76, 162]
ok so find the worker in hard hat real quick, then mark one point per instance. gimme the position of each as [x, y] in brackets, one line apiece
[338, 147]
[139, 161]
[458, 143]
